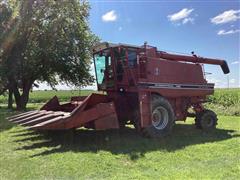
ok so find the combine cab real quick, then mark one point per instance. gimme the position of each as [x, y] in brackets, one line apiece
[148, 88]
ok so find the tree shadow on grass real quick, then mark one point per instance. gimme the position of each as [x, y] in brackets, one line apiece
[125, 141]
[4, 123]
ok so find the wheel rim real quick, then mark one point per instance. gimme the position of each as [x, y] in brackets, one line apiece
[207, 122]
[160, 118]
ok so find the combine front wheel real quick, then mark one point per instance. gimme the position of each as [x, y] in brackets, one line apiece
[206, 120]
[162, 118]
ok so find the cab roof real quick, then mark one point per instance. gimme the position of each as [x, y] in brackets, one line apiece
[105, 45]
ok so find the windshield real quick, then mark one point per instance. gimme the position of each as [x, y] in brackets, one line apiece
[100, 68]
[103, 68]
[107, 72]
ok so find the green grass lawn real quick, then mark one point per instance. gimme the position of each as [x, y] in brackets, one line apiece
[188, 153]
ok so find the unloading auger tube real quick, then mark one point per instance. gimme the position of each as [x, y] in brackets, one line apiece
[195, 59]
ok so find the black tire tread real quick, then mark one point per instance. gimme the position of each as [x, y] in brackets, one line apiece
[200, 116]
[151, 131]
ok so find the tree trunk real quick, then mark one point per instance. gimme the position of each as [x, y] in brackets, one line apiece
[22, 100]
[16, 94]
[10, 98]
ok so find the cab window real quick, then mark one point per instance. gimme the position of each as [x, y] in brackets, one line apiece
[132, 58]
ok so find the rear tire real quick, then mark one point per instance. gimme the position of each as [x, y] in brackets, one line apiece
[206, 120]
[162, 118]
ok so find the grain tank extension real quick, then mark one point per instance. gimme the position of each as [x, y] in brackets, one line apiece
[143, 86]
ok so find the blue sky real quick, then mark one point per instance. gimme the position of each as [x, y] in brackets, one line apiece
[209, 28]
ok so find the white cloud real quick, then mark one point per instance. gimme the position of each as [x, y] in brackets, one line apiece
[235, 62]
[186, 20]
[109, 16]
[232, 81]
[182, 16]
[213, 80]
[120, 28]
[219, 83]
[232, 31]
[226, 16]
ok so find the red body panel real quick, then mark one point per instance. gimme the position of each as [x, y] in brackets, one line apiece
[174, 72]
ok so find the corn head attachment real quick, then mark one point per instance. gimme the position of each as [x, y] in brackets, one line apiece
[95, 111]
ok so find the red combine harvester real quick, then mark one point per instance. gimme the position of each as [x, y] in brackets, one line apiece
[148, 88]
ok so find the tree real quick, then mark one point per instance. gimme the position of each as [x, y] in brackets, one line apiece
[6, 23]
[44, 40]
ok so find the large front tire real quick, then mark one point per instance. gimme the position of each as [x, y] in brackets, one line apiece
[162, 118]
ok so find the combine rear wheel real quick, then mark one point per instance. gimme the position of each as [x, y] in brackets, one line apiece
[162, 118]
[206, 120]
